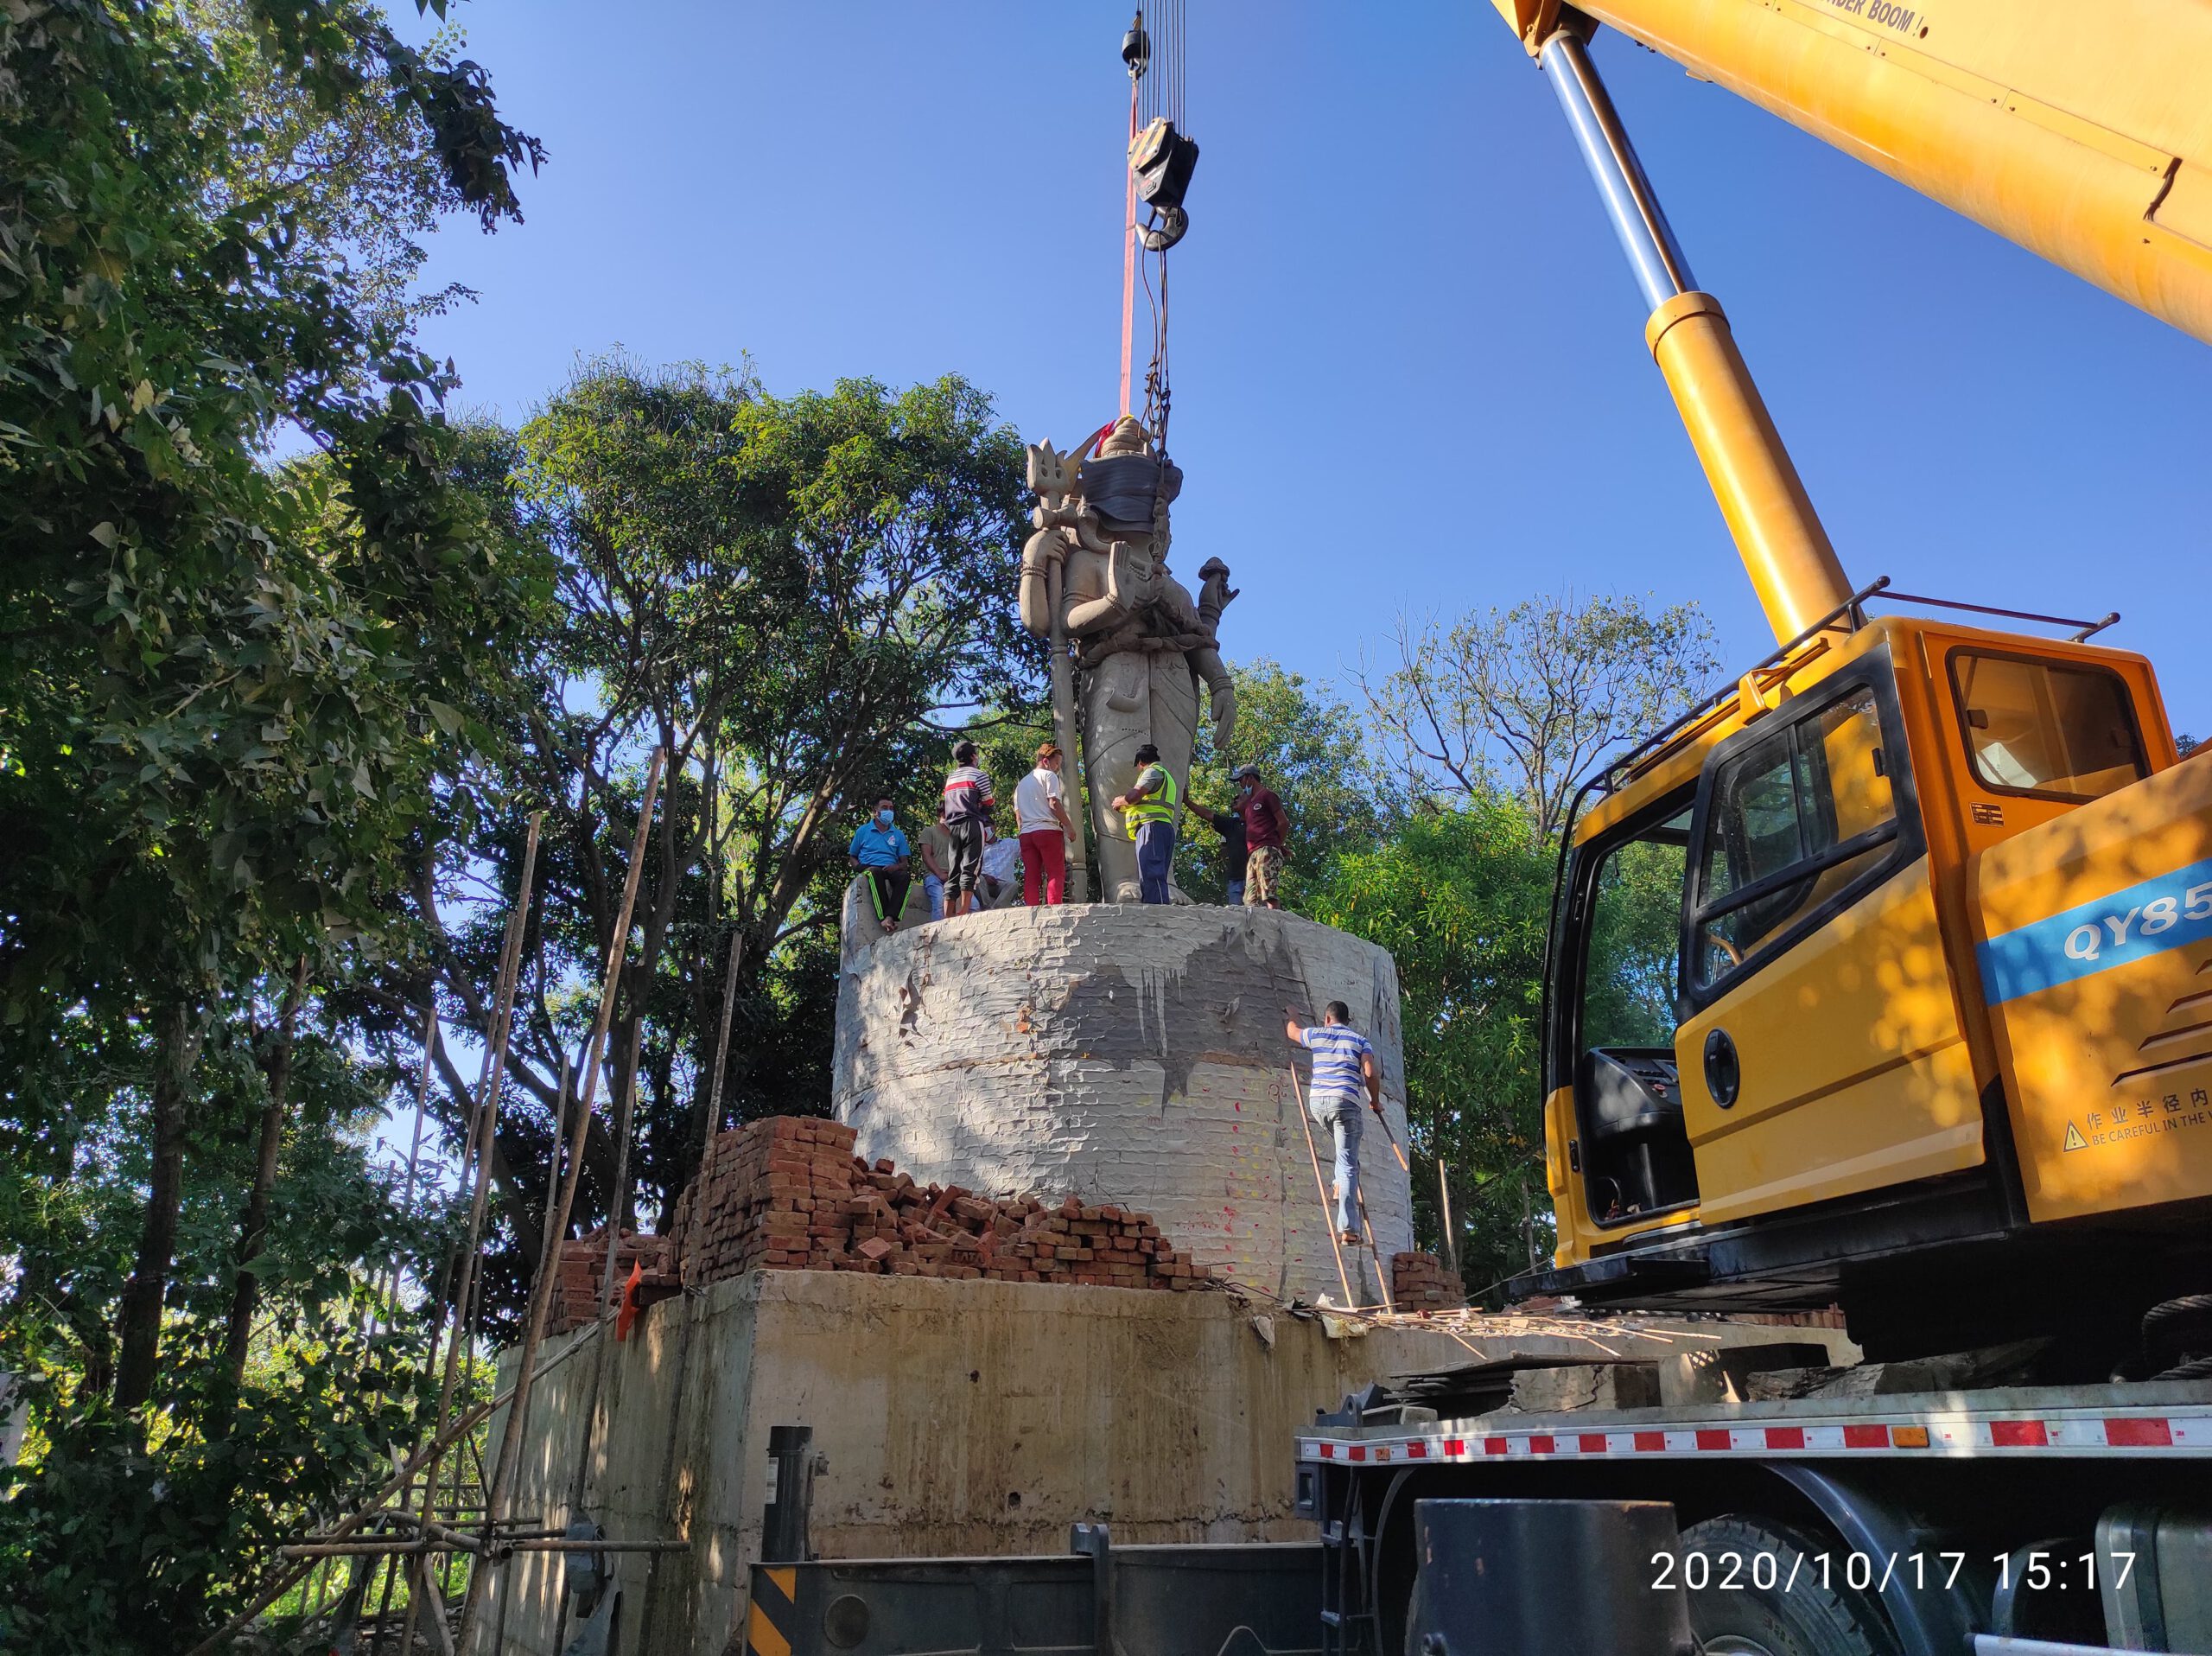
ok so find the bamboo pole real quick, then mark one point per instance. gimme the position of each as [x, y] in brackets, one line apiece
[548, 1277]
[441, 1639]
[1451, 1232]
[714, 1103]
[617, 1203]
[1381, 1270]
[1321, 1190]
[414, 1149]
[476, 1157]
[288, 1579]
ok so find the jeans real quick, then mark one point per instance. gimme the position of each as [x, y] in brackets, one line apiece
[1236, 894]
[935, 890]
[1156, 854]
[1341, 1117]
[1045, 866]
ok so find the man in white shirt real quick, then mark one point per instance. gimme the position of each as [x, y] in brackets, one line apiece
[1001, 868]
[1041, 818]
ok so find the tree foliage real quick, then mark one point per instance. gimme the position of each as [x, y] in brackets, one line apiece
[1527, 700]
[1461, 898]
[1309, 748]
[796, 597]
[229, 695]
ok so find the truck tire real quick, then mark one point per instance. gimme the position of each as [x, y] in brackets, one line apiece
[1737, 1609]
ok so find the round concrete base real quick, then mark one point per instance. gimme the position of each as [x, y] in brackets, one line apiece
[1134, 1056]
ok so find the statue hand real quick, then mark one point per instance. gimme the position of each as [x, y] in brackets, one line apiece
[1224, 714]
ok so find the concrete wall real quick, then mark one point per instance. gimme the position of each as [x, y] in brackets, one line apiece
[951, 1417]
[1134, 1055]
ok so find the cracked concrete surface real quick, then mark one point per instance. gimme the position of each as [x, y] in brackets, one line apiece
[1133, 1056]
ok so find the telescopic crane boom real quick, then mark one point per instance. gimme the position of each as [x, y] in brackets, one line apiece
[1936, 1034]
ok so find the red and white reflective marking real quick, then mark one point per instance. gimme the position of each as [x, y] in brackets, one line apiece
[2183, 1431]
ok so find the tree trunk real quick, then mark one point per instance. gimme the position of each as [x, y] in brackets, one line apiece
[253, 1225]
[178, 1031]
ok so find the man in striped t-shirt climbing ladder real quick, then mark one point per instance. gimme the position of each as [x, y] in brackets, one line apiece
[1343, 1069]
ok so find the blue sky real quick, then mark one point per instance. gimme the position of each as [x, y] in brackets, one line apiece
[1408, 362]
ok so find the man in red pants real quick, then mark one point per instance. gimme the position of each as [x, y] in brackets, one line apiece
[1041, 817]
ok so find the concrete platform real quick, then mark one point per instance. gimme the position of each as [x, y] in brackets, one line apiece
[949, 1417]
[1131, 1055]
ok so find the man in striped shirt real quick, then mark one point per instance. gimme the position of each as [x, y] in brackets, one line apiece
[1344, 1072]
[968, 805]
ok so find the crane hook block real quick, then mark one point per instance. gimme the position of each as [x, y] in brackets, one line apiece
[1136, 48]
[1163, 160]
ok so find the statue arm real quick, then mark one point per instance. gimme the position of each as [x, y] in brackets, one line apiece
[1095, 616]
[1206, 662]
[1039, 554]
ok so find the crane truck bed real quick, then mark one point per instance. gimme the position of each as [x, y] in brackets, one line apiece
[2009, 1520]
[1935, 1524]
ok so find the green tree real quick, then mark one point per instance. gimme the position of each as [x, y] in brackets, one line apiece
[1527, 700]
[209, 701]
[1460, 897]
[230, 691]
[112, 1542]
[798, 597]
[1309, 748]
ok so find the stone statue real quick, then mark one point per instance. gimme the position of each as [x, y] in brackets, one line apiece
[1127, 639]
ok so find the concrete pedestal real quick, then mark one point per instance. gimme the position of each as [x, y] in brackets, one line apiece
[949, 1417]
[1134, 1056]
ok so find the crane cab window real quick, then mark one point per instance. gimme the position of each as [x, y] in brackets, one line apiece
[2062, 728]
[1793, 822]
[1634, 1148]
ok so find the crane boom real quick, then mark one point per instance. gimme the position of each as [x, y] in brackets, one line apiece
[2082, 132]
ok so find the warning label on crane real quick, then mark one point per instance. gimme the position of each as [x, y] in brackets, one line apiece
[2140, 1118]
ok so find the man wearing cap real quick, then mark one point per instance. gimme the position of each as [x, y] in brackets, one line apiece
[1230, 826]
[1148, 811]
[1266, 830]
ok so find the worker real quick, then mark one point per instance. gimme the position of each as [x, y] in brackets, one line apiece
[936, 862]
[1040, 814]
[1230, 826]
[879, 851]
[1266, 834]
[1148, 811]
[1002, 876]
[968, 803]
[1344, 1068]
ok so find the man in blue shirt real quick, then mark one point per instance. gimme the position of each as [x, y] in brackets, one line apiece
[881, 853]
[1343, 1070]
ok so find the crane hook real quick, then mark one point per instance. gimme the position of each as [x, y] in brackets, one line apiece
[1136, 47]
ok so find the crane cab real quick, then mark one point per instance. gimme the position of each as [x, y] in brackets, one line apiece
[1816, 995]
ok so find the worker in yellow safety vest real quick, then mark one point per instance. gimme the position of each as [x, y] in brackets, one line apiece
[1148, 811]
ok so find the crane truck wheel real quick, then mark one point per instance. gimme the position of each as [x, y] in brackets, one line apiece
[1758, 1587]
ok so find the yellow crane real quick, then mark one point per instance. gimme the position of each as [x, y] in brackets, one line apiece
[1887, 973]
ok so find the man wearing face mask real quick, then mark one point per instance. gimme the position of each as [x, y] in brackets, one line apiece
[879, 851]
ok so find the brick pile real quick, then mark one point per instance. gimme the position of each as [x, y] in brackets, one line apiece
[787, 1194]
[575, 1292]
[1419, 1281]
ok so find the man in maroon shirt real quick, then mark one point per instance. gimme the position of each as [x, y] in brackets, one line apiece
[1266, 828]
